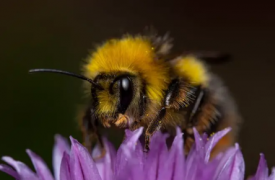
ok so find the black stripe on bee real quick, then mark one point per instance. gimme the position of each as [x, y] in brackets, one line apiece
[200, 95]
[205, 111]
[172, 92]
[215, 121]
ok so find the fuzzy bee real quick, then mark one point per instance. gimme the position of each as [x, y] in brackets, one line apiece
[134, 81]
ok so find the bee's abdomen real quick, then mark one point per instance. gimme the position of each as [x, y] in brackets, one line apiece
[216, 112]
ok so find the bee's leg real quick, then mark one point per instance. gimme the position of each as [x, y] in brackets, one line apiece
[178, 92]
[142, 110]
[101, 145]
[135, 125]
[153, 127]
[90, 132]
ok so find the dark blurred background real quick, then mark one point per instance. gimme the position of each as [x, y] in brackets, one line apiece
[59, 34]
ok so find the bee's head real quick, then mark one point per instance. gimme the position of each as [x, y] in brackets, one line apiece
[119, 93]
[122, 66]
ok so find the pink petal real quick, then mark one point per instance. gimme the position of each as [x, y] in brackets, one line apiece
[135, 163]
[41, 168]
[205, 138]
[128, 146]
[61, 146]
[9, 171]
[131, 167]
[198, 140]
[82, 164]
[199, 144]
[237, 167]
[111, 153]
[191, 163]
[164, 159]
[206, 171]
[213, 141]
[262, 170]
[197, 160]
[132, 137]
[23, 171]
[173, 164]
[100, 162]
[177, 149]
[156, 156]
[272, 176]
[65, 167]
[231, 165]
[75, 167]
[130, 157]
[105, 165]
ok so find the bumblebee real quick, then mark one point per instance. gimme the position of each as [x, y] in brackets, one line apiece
[134, 81]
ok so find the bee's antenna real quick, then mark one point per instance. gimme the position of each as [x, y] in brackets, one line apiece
[67, 73]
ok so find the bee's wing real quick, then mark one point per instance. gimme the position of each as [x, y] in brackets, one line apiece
[212, 57]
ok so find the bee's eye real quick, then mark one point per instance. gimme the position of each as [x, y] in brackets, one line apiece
[125, 86]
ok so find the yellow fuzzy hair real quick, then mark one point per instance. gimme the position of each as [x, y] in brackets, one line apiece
[193, 69]
[134, 55]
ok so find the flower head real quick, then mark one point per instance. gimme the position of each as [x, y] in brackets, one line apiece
[131, 163]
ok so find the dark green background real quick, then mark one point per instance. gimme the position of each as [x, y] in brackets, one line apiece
[58, 34]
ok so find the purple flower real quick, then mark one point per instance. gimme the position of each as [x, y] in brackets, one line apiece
[131, 163]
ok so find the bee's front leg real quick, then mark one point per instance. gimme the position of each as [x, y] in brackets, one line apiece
[153, 127]
[90, 132]
[135, 125]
